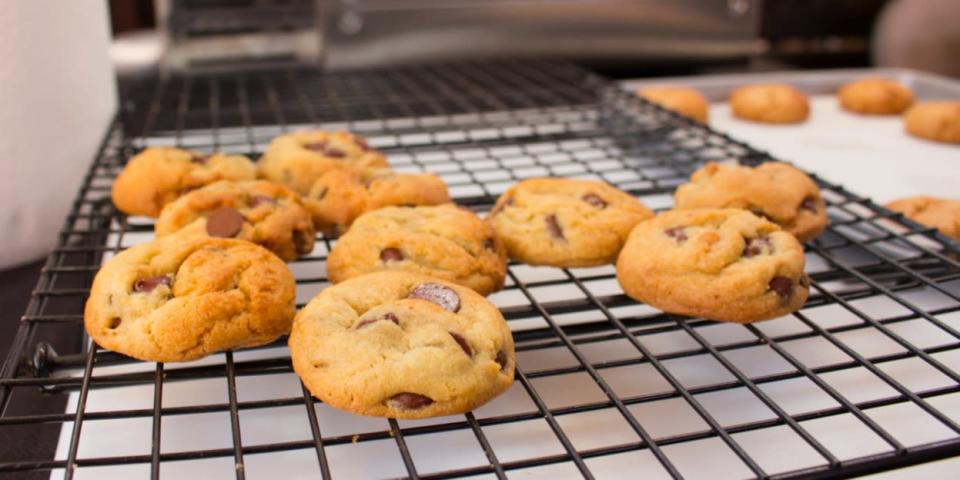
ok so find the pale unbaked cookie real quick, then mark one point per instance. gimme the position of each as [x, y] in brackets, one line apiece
[938, 121]
[774, 190]
[565, 222]
[401, 345]
[940, 213]
[446, 242]
[158, 175]
[298, 159]
[258, 211]
[875, 96]
[683, 100]
[720, 264]
[338, 197]
[773, 103]
[182, 298]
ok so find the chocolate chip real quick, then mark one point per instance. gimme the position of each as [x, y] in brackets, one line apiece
[756, 246]
[783, 287]
[114, 323]
[501, 359]
[463, 343]
[595, 200]
[146, 285]
[443, 296]
[409, 401]
[258, 200]
[677, 233]
[553, 227]
[224, 222]
[303, 241]
[391, 255]
[315, 146]
[488, 243]
[200, 159]
[388, 316]
[809, 204]
[334, 152]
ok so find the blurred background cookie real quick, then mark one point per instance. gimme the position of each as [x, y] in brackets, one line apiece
[683, 100]
[770, 103]
[938, 121]
[940, 213]
[875, 96]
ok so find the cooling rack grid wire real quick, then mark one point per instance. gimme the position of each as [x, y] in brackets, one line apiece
[863, 378]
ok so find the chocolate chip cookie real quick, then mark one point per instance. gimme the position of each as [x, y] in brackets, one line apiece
[940, 213]
[338, 197]
[446, 242]
[774, 190]
[875, 96]
[258, 211]
[772, 103]
[683, 100]
[181, 298]
[402, 345]
[565, 222]
[937, 121]
[298, 159]
[158, 175]
[720, 264]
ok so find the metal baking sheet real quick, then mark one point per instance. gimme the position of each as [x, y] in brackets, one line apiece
[870, 155]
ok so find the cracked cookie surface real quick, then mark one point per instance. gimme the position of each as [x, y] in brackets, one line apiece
[875, 96]
[299, 159]
[402, 345]
[158, 175]
[770, 103]
[940, 213]
[259, 211]
[565, 222]
[182, 298]
[445, 241]
[937, 121]
[720, 264]
[774, 190]
[338, 197]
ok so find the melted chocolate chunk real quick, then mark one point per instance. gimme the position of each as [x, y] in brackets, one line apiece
[303, 241]
[388, 316]
[438, 294]
[677, 233]
[809, 204]
[756, 246]
[501, 359]
[258, 200]
[391, 255]
[553, 227]
[409, 401]
[463, 343]
[595, 200]
[315, 146]
[146, 285]
[783, 287]
[488, 244]
[334, 152]
[224, 222]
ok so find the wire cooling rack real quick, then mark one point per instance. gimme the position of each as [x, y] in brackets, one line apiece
[863, 378]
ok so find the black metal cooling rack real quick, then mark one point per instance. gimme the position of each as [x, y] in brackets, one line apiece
[597, 372]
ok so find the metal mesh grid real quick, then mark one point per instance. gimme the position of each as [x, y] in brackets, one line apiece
[863, 378]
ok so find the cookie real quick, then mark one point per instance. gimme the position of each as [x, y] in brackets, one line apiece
[402, 345]
[683, 100]
[875, 96]
[772, 103]
[158, 175]
[940, 213]
[937, 121]
[258, 211]
[446, 242]
[338, 197]
[181, 298]
[565, 222]
[775, 190]
[298, 159]
[720, 264]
